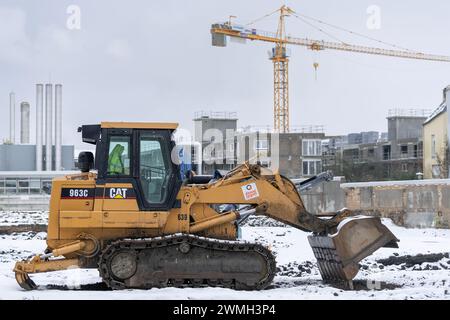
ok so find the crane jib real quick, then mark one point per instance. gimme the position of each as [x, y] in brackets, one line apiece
[267, 36]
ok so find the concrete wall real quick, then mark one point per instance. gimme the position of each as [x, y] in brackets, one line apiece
[204, 124]
[19, 157]
[405, 127]
[420, 203]
[326, 197]
[67, 157]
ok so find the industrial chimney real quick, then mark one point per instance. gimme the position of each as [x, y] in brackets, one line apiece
[447, 95]
[39, 125]
[24, 123]
[58, 126]
[48, 127]
[12, 117]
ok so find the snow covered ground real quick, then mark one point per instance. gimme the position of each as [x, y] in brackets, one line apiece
[297, 278]
[14, 218]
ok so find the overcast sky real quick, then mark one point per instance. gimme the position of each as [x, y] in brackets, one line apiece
[144, 60]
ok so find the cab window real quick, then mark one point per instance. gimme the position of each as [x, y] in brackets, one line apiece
[119, 155]
[155, 170]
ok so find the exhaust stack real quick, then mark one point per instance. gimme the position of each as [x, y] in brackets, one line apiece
[24, 123]
[39, 125]
[58, 126]
[48, 127]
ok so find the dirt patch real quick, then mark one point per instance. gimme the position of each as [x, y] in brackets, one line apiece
[411, 261]
[99, 286]
[23, 228]
[294, 269]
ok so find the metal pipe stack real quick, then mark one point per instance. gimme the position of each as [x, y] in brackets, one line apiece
[39, 125]
[48, 127]
[58, 126]
[24, 123]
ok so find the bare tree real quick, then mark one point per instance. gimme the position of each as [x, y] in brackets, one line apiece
[443, 161]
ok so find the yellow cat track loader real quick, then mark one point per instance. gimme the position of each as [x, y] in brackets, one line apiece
[131, 215]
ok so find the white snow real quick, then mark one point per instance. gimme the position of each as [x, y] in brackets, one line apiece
[291, 248]
[14, 218]
[426, 182]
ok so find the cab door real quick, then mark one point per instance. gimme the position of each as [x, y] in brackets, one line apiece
[138, 176]
[120, 208]
[157, 176]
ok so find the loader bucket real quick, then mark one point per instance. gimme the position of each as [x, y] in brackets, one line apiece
[338, 255]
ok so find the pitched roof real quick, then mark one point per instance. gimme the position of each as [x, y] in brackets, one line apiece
[441, 109]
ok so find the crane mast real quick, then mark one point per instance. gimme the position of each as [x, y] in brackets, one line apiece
[280, 57]
[280, 61]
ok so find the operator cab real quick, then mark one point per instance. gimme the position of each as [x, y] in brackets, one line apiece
[136, 153]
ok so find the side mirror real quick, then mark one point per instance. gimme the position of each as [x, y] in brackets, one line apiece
[85, 161]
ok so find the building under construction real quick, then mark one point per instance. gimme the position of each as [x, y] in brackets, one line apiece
[296, 154]
[399, 157]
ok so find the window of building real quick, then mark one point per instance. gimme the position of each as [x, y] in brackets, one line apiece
[357, 155]
[404, 149]
[416, 149]
[386, 152]
[23, 186]
[404, 167]
[119, 155]
[11, 183]
[261, 145]
[231, 146]
[433, 146]
[312, 147]
[36, 184]
[312, 167]
[24, 183]
[371, 152]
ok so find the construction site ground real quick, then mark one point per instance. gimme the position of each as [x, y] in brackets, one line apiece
[419, 269]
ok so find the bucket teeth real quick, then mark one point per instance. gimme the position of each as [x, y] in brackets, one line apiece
[338, 255]
[330, 265]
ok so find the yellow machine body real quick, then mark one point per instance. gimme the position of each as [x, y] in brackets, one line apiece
[136, 193]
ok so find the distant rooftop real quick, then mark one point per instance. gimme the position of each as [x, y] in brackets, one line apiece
[36, 174]
[292, 129]
[419, 113]
[442, 107]
[226, 115]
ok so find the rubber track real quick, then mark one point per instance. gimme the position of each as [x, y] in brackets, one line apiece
[207, 243]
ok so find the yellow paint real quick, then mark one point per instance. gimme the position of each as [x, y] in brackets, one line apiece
[139, 125]
[438, 128]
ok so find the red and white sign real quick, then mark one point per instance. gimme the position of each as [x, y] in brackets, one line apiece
[250, 191]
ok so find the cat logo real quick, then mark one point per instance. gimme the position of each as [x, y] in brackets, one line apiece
[118, 193]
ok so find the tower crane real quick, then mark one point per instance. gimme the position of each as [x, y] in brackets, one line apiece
[280, 56]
